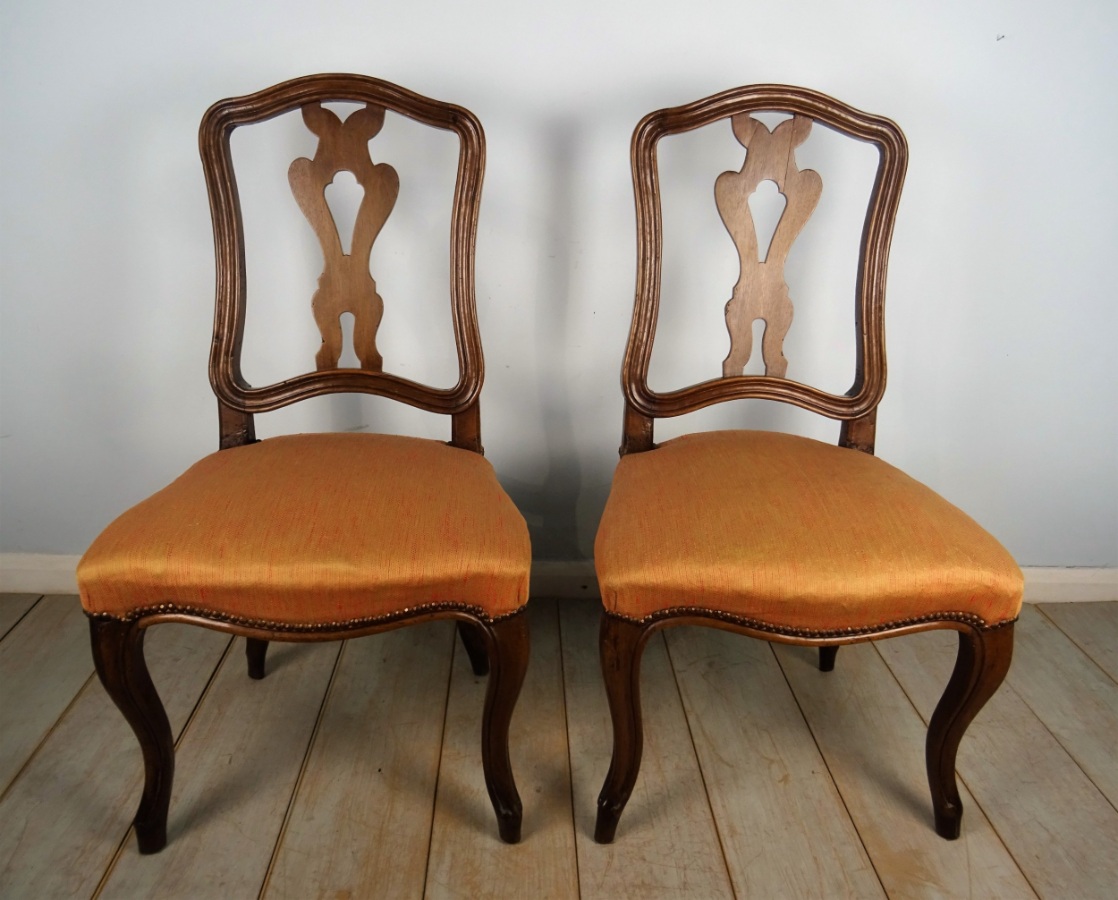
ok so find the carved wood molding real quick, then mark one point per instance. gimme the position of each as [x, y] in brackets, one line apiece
[317, 631]
[697, 615]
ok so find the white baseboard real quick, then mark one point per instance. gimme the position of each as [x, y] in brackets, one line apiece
[38, 573]
[567, 579]
[48, 573]
[1079, 585]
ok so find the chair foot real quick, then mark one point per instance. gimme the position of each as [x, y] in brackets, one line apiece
[609, 814]
[473, 639]
[949, 822]
[621, 644]
[827, 658]
[508, 660]
[118, 655]
[256, 649]
[981, 666]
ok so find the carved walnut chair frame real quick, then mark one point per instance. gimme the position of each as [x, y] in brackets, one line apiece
[984, 653]
[497, 646]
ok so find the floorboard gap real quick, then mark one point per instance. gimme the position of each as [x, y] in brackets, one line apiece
[567, 733]
[699, 765]
[178, 740]
[302, 770]
[22, 616]
[46, 734]
[454, 650]
[827, 766]
[962, 780]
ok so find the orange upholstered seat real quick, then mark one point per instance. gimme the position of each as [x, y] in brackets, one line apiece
[795, 534]
[293, 531]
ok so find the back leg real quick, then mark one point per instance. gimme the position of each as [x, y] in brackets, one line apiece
[256, 649]
[984, 658]
[118, 654]
[827, 658]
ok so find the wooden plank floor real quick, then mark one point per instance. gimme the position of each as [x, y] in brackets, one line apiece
[354, 770]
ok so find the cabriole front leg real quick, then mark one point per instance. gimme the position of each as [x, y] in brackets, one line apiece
[984, 658]
[508, 663]
[620, 644]
[118, 654]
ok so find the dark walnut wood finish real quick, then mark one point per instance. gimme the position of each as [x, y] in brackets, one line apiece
[984, 652]
[495, 646]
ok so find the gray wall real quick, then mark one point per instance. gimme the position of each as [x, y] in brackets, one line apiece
[1002, 318]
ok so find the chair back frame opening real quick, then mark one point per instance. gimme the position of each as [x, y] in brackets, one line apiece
[238, 401]
[857, 408]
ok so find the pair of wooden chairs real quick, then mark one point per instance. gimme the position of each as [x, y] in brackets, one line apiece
[320, 537]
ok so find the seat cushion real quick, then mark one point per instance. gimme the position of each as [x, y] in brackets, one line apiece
[315, 529]
[795, 534]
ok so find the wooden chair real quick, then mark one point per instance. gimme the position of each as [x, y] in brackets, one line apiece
[772, 535]
[319, 537]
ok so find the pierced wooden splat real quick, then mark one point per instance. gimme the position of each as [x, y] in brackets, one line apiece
[761, 291]
[345, 284]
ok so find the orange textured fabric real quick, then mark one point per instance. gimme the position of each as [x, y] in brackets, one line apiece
[794, 533]
[317, 528]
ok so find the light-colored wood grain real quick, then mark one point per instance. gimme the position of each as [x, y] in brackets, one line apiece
[1093, 627]
[1076, 697]
[236, 769]
[360, 825]
[345, 284]
[12, 609]
[1061, 830]
[667, 844]
[873, 741]
[66, 814]
[68, 811]
[784, 829]
[467, 857]
[761, 291]
[44, 661]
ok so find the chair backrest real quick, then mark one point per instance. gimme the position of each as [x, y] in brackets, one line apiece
[761, 292]
[346, 284]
